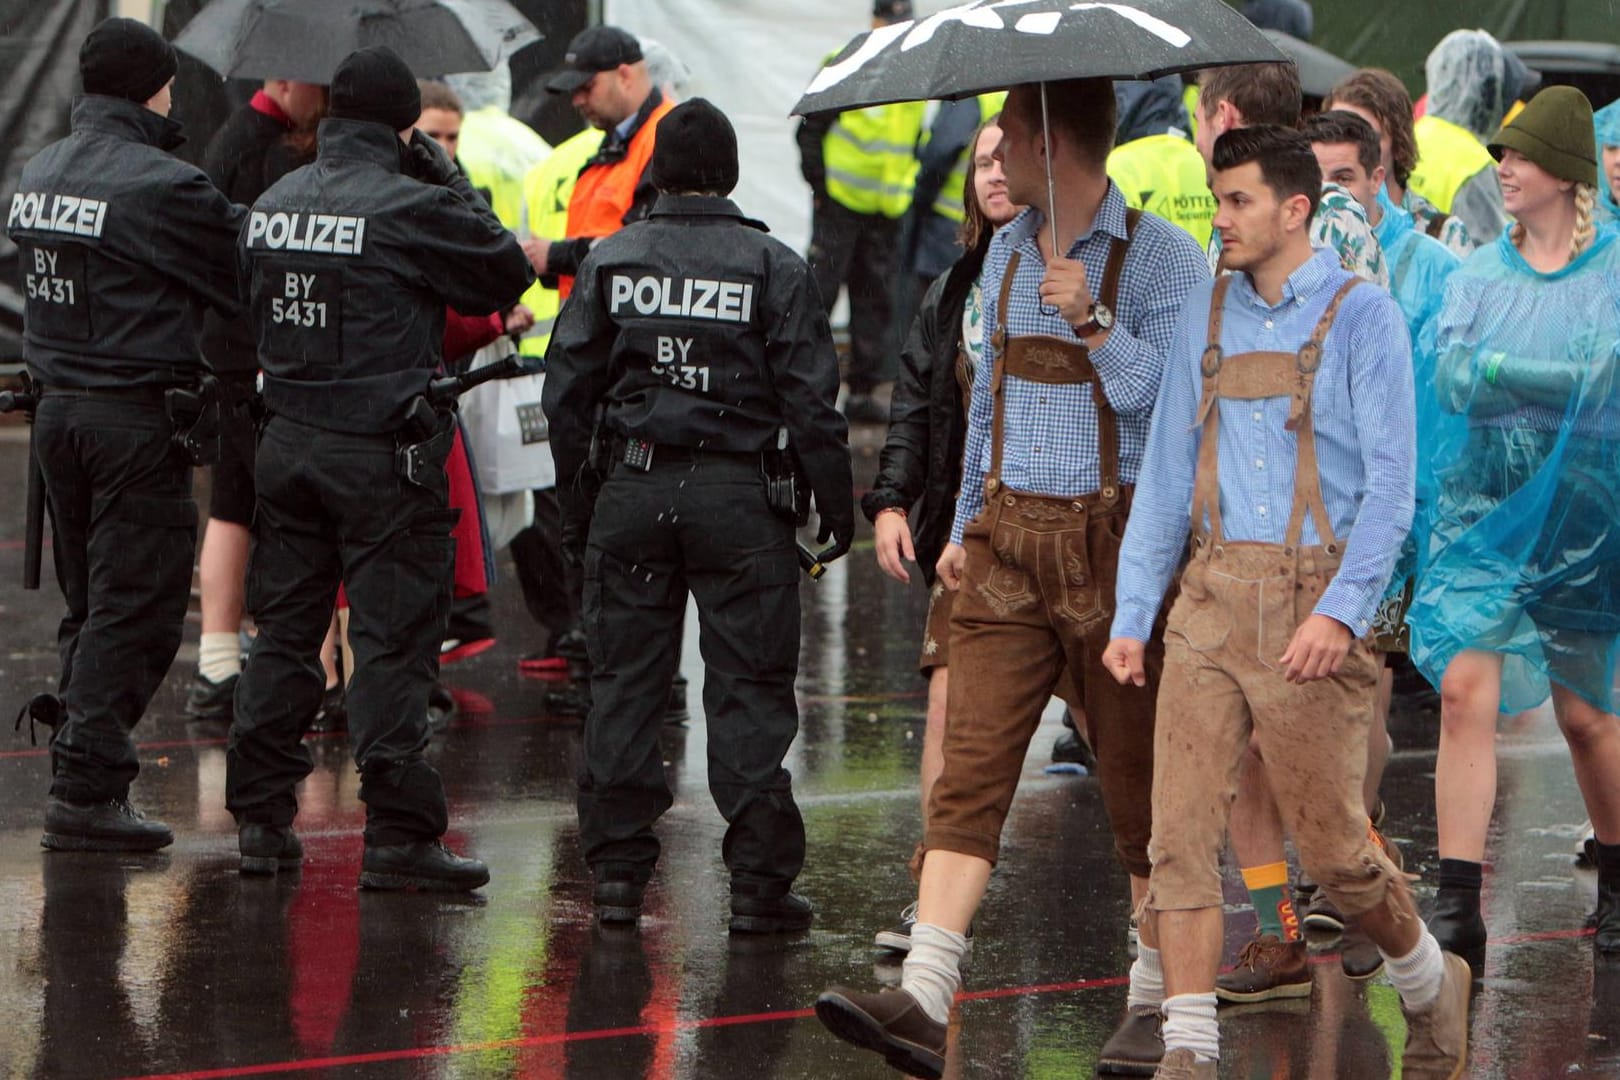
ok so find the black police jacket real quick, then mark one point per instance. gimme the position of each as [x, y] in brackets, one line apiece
[696, 329]
[122, 246]
[920, 468]
[348, 264]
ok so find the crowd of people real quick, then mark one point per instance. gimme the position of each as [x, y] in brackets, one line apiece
[1210, 415]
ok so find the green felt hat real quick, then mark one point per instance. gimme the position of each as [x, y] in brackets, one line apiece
[1554, 131]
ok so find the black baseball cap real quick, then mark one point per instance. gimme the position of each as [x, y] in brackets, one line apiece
[601, 48]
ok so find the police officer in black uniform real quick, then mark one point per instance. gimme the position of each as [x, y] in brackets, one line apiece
[704, 339]
[349, 264]
[122, 245]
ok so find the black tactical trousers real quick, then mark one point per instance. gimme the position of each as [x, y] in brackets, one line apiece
[123, 535]
[332, 507]
[857, 250]
[696, 524]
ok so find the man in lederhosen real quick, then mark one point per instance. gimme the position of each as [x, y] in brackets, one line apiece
[1055, 435]
[1286, 422]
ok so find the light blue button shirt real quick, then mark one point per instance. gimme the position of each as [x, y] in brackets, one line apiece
[1362, 413]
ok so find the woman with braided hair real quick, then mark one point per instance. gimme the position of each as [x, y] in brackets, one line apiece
[1518, 592]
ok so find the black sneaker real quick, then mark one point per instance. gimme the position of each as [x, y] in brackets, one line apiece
[783, 914]
[426, 865]
[864, 409]
[268, 848]
[109, 825]
[210, 700]
[677, 713]
[333, 715]
[618, 903]
[1071, 748]
[571, 700]
[897, 938]
[570, 644]
[442, 709]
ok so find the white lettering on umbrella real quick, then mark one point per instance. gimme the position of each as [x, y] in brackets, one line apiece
[1045, 22]
[875, 42]
[1151, 23]
[978, 15]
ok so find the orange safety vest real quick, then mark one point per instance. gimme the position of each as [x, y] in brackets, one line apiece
[603, 193]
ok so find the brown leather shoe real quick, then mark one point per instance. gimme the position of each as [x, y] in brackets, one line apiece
[1182, 1065]
[889, 1022]
[1267, 969]
[1437, 1037]
[1136, 1046]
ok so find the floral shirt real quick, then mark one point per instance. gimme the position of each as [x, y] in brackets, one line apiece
[1453, 234]
[1340, 224]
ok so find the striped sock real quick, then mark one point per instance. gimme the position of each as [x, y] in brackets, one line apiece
[1273, 904]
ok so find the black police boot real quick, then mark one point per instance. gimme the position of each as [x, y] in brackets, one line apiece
[268, 848]
[425, 865]
[210, 700]
[768, 910]
[1071, 748]
[109, 825]
[47, 709]
[618, 901]
[1457, 924]
[1606, 921]
[677, 714]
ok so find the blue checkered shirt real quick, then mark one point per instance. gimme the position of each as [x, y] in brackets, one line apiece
[1363, 414]
[1049, 432]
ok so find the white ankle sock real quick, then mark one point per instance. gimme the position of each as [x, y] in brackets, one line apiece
[219, 656]
[1417, 975]
[1147, 979]
[932, 971]
[1190, 1024]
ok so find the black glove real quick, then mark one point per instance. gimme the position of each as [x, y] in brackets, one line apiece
[842, 534]
[425, 160]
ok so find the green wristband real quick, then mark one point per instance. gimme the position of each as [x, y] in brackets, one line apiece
[1491, 367]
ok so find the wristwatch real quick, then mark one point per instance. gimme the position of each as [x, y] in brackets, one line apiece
[1101, 319]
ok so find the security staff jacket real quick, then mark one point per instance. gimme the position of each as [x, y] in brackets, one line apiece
[122, 246]
[697, 330]
[348, 264]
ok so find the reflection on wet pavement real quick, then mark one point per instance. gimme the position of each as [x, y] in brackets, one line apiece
[172, 965]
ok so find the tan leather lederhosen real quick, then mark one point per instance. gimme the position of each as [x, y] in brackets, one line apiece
[1240, 604]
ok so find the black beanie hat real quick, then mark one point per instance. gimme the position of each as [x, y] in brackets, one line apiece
[125, 58]
[375, 84]
[694, 149]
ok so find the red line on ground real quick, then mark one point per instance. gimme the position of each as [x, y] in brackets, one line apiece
[463, 723]
[418, 1053]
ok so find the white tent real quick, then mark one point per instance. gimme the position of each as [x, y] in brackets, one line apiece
[753, 58]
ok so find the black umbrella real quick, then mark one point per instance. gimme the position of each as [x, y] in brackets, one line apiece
[1319, 70]
[993, 44]
[306, 39]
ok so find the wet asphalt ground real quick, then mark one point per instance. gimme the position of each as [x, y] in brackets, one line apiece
[172, 965]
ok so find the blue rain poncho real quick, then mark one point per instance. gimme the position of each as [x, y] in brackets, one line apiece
[1419, 267]
[1520, 471]
[1607, 122]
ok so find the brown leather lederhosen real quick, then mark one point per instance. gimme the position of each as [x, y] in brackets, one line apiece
[1036, 601]
[1241, 602]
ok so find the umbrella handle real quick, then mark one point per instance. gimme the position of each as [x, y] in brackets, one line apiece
[1051, 185]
